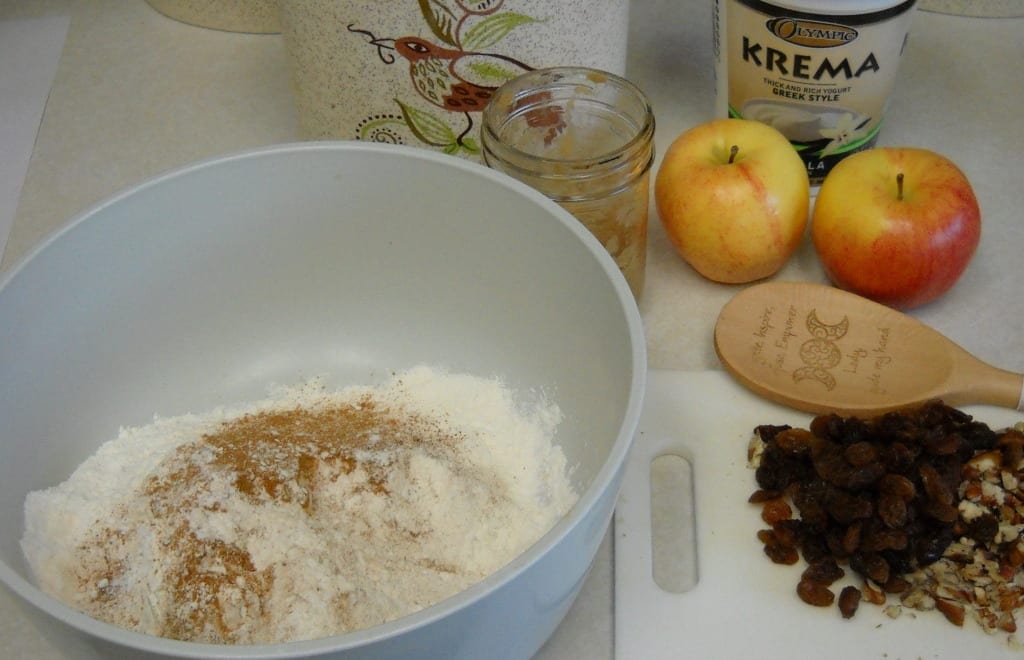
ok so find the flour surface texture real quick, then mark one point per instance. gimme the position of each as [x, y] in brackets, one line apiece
[308, 514]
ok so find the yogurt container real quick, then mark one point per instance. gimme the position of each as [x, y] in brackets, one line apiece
[819, 71]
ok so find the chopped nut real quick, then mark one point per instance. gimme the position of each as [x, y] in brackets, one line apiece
[952, 611]
[754, 450]
[872, 593]
[918, 599]
[893, 611]
[984, 462]
[970, 510]
[1007, 623]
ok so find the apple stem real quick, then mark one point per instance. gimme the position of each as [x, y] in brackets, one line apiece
[899, 186]
[732, 152]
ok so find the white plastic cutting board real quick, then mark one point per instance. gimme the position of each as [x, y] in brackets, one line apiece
[743, 605]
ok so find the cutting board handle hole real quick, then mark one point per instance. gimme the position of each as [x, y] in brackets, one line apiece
[673, 528]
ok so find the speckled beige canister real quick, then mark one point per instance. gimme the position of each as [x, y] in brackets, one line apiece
[254, 16]
[419, 73]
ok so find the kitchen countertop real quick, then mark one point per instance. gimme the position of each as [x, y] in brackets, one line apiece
[137, 94]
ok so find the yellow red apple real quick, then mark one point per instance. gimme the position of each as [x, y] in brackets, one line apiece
[733, 197]
[897, 225]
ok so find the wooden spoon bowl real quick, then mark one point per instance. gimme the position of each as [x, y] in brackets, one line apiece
[819, 349]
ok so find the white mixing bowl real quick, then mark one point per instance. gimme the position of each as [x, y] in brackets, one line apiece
[204, 286]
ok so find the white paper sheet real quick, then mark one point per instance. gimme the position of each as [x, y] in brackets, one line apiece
[29, 52]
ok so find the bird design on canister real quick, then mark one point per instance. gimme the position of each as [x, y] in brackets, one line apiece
[445, 76]
[455, 72]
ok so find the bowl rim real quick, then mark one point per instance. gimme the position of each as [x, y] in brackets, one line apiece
[33, 596]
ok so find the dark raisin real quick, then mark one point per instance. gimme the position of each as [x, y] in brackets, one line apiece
[849, 601]
[1011, 442]
[978, 436]
[892, 510]
[796, 442]
[782, 554]
[814, 548]
[983, 528]
[877, 569]
[760, 496]
[845, 508]
[854, 430]
[829, 463]
[824, 572]
[864, 476]
[809, 499]
[939, 443]
[942, 512]
[851, 539]
[900, 563]
[871, 566]
[767, 432]
[827, 427]
[778, 470]
[814, 593]
[860, 453]
[935, 487]
[776, 510]
[900, 457]
[835, 539]
[898, 486]
[789, 532]
[896, 585]
[934, 413]
[892, 425]
[884, 539]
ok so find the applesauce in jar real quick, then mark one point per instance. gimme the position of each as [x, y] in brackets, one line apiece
[583, 138]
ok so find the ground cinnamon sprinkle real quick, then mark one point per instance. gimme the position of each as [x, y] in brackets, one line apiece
[309, 516]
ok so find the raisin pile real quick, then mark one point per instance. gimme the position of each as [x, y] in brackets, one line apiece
[878, 496]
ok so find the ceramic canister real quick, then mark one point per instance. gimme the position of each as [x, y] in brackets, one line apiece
[254, 16]
[419, 72]
[820, 71]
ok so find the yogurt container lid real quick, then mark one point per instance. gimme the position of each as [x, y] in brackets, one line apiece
[842, 7]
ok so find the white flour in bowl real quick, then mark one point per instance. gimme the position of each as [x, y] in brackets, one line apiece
[308, 514]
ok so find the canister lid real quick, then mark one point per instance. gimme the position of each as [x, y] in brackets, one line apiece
[837, 7]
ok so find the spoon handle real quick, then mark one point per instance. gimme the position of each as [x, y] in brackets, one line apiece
[986, 384]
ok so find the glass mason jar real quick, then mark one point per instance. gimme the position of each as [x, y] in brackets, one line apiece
[583, 138]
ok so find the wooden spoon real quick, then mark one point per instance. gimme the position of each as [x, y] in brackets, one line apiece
[820, 349]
